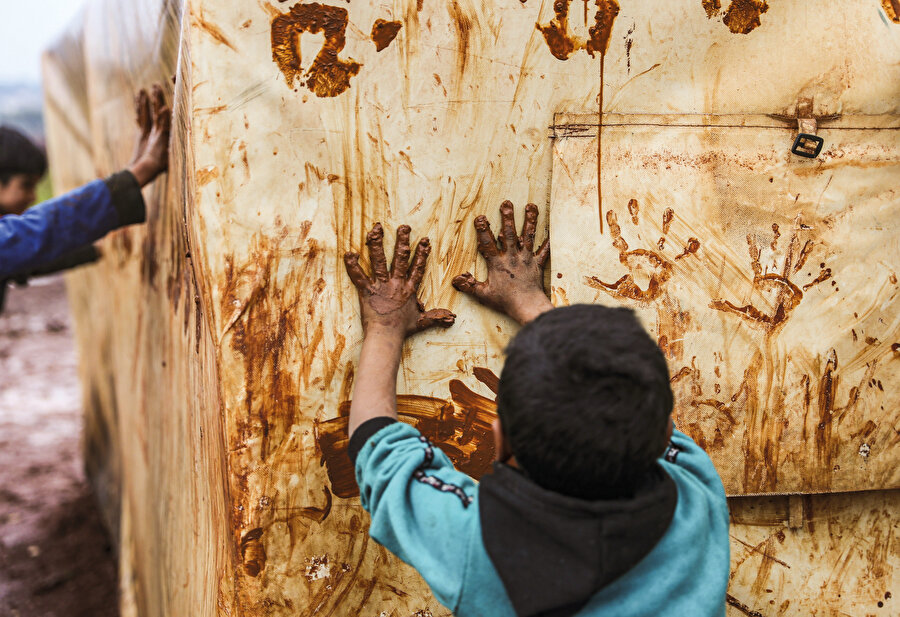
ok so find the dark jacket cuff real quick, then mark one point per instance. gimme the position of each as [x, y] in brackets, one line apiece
[362, 434]
[127, 198]
[79, 257]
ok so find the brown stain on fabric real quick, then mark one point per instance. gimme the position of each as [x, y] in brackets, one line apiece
[253, 554]
[462, 22]
[633, 210]
[652, 263]
[266, 330]
[556, 32]
[741, 16]
[563, 43]
[328, 75]
[461, 427]
[892, 8]
[384, 32]
[711, 7]
[822, 415]
[207, 175]
[213, 30]
[776, 289]
[600, 32]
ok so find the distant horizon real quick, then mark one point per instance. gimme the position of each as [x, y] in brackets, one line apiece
[23, 83]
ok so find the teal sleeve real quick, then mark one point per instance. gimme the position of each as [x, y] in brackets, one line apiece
[696, 461]
[423, 510]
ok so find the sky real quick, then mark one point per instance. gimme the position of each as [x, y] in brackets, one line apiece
[26, 29]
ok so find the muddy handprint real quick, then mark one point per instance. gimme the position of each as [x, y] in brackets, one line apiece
[775, 287]
[652, 264]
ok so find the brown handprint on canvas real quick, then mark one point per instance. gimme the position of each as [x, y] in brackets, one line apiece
[775, 287]
[652, 263]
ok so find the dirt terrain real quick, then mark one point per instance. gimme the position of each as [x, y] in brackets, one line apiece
[55, 556]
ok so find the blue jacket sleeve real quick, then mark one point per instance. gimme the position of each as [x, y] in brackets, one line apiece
[68, 222]
[422, 508]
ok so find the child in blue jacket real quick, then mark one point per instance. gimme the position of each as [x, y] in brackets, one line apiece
[58, 233]
[595, 506]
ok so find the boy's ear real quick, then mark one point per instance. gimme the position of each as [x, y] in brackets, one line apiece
[502, 451]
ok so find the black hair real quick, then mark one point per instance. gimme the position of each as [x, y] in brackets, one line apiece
[19, 155]
[584, 401]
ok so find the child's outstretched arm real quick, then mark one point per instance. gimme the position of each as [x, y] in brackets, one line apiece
[49, 230]
[390, 311]
[515, 280]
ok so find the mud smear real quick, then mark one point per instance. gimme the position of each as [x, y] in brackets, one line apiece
[823, 276]
[828, 384]
[253, 554]
[556, 33]
[272, 337]
[599, 42]
[562, 43]
[384, 32]
[214, 31]
[741, 16]
[600, 32]
[463, 25]
[461, 427]
[633, 210]
[650, 262]
[778, 288]
[712, 8]
[672, 324]
[328, 75]
[892, 8]
[629, 42]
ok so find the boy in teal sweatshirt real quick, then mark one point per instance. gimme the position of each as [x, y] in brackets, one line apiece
[595, 506]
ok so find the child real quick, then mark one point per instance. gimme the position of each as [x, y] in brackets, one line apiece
[33, 239]
[595, 506]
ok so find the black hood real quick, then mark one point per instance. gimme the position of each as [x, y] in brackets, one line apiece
[554, 552]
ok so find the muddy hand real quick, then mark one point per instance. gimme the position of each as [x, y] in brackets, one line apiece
[388, 300]
[515, 280]
[154, 120]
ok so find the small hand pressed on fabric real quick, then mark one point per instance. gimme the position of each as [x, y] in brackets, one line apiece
[151, 150]
[391, 311]
[515, 281]
[388, 300]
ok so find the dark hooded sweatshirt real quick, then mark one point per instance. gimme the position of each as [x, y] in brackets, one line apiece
[508, 547]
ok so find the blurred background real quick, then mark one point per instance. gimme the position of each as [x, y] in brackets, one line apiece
[26, 29]
[55, 557]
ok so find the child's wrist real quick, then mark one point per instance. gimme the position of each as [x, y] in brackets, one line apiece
[389, 335]
[525, 309]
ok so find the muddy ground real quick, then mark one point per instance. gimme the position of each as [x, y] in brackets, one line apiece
[55, 556]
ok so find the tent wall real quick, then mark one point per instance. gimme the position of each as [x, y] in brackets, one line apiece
[218, 341]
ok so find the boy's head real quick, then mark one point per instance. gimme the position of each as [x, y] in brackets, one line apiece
[22, 163]
[584, 401]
